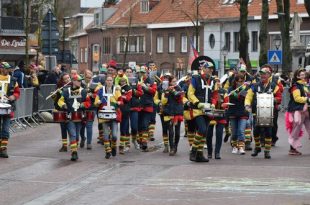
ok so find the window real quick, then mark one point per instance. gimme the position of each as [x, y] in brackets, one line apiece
[194, 42]
[135, 44]
[300, 1]
[81, 55]
[106, 45]
[171, 44]
[12, 8]
[236, 41]
[212, 41]
[86, 55]
[254, 41]
[144, 6]
[79, 24]
[227, 41]
[160, 44]
[183, 43]
[97, 19]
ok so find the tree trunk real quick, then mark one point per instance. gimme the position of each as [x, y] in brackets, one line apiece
[307, 5]
[244, 33]
[127, 37]
[263, 35]
[27, 32]
[284, 21]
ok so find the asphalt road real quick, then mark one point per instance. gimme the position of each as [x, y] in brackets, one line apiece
[36, 173]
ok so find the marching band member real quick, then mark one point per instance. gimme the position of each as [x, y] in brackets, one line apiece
[74, 99]
[88, 121]
[237, 114]
[146, 101]
[298, 110]
[264, 86]
[126, 93]
[162, 86]
[134, 105]
[172, 102]
[62, 83]
[188, 113]
[201, 99]
[151, 129]
[9, 94]
[274, 136]
[110, 125]
[220, 122]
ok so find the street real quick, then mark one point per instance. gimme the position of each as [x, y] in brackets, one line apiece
[36, 173]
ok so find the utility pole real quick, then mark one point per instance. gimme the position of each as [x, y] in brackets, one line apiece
[27, 32]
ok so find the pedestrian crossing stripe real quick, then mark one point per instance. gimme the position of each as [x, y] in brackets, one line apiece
[275, 58]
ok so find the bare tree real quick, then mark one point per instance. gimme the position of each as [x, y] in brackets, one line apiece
[283, 9]
[128, 35]
[263, 33]
[244, 33]
[307, 5]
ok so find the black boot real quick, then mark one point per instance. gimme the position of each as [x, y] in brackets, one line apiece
[217, 156]
[82, 142]
[267, 155]
[107, 155]
[74, 156]
[256, 151]
[4, 153]
[200, 157]
[172, 153]
[248, 146]
[192, 155]
[63, 149]
[274, 141]
[144, 147]
[226, 137]
[114, 152]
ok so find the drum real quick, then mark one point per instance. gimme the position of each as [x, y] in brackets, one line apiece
[216, 113]
[76, 116]
[264, 109]
[107, 114]
[5, 109]
[59, 116]
[89, 115]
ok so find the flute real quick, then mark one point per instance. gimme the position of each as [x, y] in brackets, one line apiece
[231, 92]
[53, 93]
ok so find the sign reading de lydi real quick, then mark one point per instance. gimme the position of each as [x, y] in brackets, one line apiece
[13, 43]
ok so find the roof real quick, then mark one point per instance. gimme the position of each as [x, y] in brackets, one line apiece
[177, 11]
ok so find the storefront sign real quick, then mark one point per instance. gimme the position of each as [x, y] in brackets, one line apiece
[15, 43]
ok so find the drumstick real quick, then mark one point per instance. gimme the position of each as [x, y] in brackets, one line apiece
[53, 93]
[231, 92]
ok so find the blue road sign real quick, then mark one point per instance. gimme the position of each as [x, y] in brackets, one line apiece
[274, 57]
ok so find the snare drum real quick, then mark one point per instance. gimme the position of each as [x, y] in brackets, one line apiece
[59, 116]
[76, 116]
[89, 115]
[216, 113]
[107, 114]
[5, 109]
[264, 109]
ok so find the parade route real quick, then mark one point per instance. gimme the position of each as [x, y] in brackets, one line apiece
[36, 173]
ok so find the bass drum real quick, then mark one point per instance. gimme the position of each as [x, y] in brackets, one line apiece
[89, 116]
[264, 109]
[76, 116]
[59, 116]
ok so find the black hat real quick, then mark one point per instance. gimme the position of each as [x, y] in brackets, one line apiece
[201, 61]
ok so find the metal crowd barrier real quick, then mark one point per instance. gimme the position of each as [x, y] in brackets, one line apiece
[28, 107]
[285, 99]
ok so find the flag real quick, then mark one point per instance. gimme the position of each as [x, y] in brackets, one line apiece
[193, 54]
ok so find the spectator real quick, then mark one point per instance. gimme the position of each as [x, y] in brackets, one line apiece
[19, 75]
[53, 76]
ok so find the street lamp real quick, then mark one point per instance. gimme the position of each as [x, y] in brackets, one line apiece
[64, 37]
[277, 43]
[224, 53]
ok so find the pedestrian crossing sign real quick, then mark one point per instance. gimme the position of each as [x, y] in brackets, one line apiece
[274, 57]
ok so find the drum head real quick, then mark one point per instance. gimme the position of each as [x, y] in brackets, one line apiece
[5, 105]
